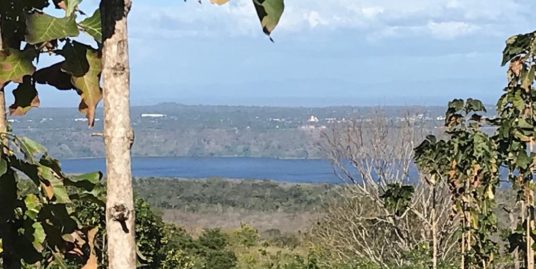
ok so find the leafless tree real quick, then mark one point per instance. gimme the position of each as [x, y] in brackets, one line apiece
[370, 155]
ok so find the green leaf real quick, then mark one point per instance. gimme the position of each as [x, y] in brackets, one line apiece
[456, 105]
[33, 206]
[42, 28]
[54, 186]
[70, 6]
[269, 13]
[3, 166]
[84, 64]
[515, 46]
[92, 26]
[25, 98]
[14, 65]
[474, 105]
[517, 101]
[39, 236]
[29, 147]
[523, 160]
[89, 183]
[523, 124]
[93, 178]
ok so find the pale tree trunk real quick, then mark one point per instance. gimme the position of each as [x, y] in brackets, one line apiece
[513, 226]
[530, 206]
[118, 135]
[434, 229]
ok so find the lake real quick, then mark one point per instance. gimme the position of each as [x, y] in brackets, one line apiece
[301, 170]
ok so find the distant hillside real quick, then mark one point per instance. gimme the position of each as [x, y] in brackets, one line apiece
[182, 130]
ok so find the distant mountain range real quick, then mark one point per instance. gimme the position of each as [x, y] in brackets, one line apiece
[171, 129]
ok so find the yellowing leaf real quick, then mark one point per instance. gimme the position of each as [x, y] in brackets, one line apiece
[92, 262]
[219, 2]
[84, 65]
[14, 65]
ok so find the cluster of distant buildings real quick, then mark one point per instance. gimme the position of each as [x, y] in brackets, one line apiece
[312, 122]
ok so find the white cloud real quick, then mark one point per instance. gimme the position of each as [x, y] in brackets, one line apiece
[440, 19]
[314, 19]
[451, 29]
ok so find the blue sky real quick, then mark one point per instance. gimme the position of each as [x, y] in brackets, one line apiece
[326, 52]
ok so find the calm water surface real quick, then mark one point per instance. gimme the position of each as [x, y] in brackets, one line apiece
[312, 171]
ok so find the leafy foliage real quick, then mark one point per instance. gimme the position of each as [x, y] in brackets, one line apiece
[516, 129]
[38, 224]
[397, 198]
[468, 161]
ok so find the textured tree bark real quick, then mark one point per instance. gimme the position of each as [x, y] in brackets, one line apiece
[118, 135]
[434, 230]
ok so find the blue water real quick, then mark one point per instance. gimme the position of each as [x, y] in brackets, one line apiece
[306, 171]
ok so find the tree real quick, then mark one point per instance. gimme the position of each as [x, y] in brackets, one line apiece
[118, 134]
[468, 161]
[380, 206]
[23, 22]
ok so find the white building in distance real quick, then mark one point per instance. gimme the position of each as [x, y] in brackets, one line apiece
[153, 115]
[313, 119]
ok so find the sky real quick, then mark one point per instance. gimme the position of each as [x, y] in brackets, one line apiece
[326, 52]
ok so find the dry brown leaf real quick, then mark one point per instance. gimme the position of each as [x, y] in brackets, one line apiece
[92, 262]
[515, 66]
[47, 190]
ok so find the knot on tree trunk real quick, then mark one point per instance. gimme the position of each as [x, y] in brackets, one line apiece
[119, 212]
[130, 137]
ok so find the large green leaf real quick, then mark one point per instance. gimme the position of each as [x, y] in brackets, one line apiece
[30, 148]
[92, 26]
[25, 98]
[84, 64]
[93, 178]
[269, 12]
[14, 65]
[43, 28]
[53, 185]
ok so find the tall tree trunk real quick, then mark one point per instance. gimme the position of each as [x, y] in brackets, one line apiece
[434, 230]
[118, 135]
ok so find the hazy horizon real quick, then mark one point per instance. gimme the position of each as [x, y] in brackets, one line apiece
[340, 52]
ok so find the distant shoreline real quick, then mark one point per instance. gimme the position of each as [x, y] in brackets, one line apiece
[197, 157]
[281, 170]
